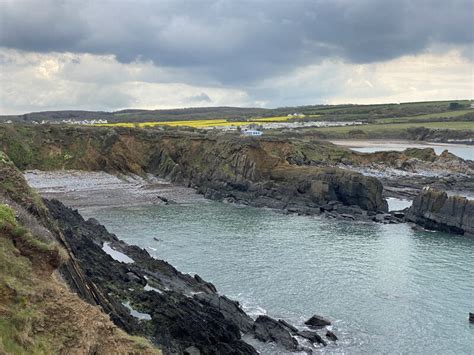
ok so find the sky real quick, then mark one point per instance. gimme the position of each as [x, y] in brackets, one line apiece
[115, 54]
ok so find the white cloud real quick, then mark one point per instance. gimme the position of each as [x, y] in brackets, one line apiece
[428, 76]
[37, 82]
[40, 82]
[422, 77]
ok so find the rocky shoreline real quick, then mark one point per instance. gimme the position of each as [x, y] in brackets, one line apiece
[303, 176]
[149, 297]
[436, 210]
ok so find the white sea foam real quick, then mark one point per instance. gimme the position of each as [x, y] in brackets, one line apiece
[396, 204]
[253, 310]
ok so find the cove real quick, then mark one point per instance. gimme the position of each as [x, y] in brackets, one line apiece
[387, 288]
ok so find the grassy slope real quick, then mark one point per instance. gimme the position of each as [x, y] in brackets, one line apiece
[448, 114]
[454, 125]
[38, 314]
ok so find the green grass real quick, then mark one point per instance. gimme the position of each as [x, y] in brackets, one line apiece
[453, 125]
[427, 116]
[7, 216]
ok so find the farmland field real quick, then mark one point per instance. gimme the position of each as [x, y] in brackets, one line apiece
[454, 125]
[449, 114]
[202, 123]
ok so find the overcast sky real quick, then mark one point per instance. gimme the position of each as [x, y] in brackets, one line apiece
[109, 55]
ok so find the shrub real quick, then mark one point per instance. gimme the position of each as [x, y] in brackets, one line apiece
[7, 216]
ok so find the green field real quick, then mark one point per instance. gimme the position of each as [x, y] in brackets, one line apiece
[449, 114]
[377, 127]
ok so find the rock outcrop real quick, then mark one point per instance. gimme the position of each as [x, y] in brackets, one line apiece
[317, 321]
[271, 172]
[436, 210]
[268, 329]
[149, 297]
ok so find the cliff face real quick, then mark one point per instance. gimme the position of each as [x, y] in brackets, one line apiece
[436, 210]
[48, 250]
[264, 172]
[38, 313]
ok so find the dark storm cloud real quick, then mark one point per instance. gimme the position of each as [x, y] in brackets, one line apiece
[236, 41]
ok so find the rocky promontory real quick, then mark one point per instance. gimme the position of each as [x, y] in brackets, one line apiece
[272, 172]
[304, 176]
[436, 210]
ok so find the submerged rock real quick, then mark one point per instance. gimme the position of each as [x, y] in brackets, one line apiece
[317, 321]
[312, 336]
[471, 317]
[331, 336]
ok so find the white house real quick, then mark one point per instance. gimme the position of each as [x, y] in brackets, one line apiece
[252, 132]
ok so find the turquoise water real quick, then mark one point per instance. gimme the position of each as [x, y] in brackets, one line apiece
[387, 288]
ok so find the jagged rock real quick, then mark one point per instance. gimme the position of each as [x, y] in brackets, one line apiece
[471, 317]
[313, 337]
[187, 312]
[287, 325]
[230, 309]
[268, 329]
[347, 216]
[381, 217]
[331, 336]
[398, 214]
[317, 321]
[436, 210]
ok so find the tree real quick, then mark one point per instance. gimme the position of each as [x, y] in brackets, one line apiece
[454, 106]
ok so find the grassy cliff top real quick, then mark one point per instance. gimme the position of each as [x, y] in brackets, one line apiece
[38, 313]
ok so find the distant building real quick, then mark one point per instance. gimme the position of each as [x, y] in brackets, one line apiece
[84, 122]
[472, 105]
[230, 128]
[252, 132]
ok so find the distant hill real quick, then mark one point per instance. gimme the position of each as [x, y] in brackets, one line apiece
[331, 112]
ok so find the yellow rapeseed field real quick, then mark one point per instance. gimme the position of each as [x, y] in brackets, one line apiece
[199, 123]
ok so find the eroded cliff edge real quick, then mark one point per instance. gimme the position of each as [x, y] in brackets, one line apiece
[272, 172]
[38, 313]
